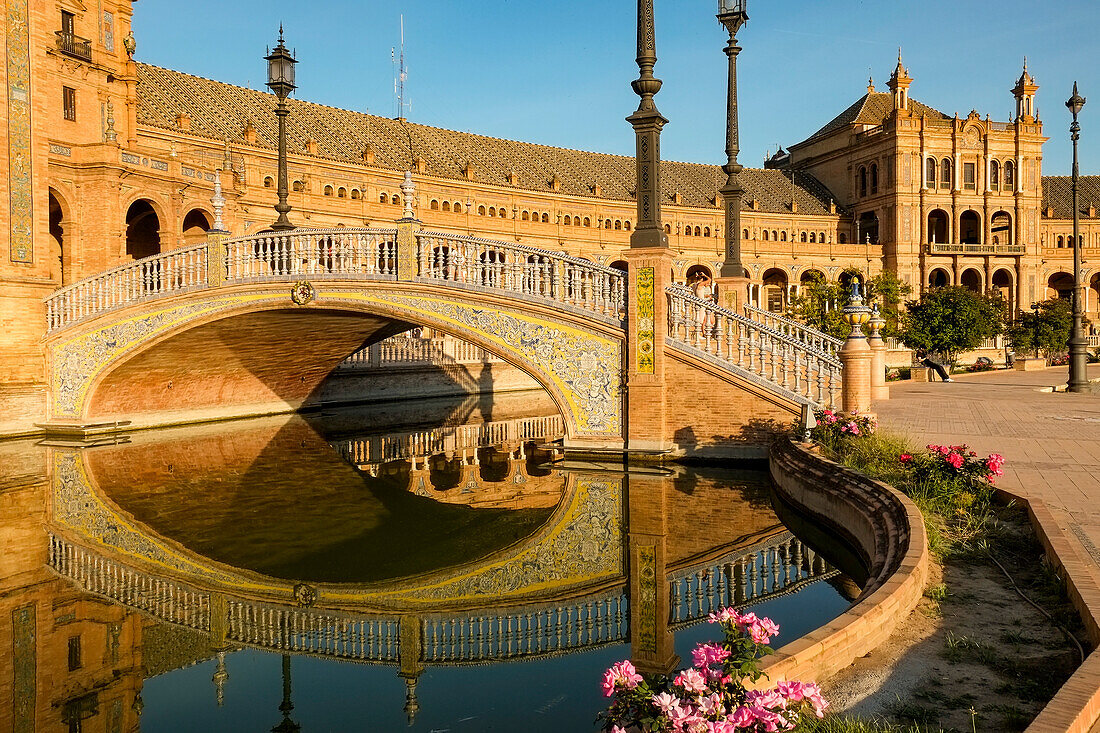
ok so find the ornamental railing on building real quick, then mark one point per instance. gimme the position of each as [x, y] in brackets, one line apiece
[946, 248]
[790, 327]
[73, 45]
[407, 350]
[783, 362]
[773, 568]
[346, 254]
[384, 448]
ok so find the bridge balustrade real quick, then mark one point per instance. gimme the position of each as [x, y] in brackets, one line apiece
[788, 363]
[800, 331]
[340, 253]
[524, 270]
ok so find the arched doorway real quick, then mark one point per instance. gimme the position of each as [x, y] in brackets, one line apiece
[142, 230]
[845, 281]
[775, 290]
[1001, 227]
[195, 226]
[1002, 285]
[868, 228]
[939, 278]
[970, 228]
[57, 241]
[1060, 285]
[619, 265]
[1092, 297]
[971, 279]
[937, 226]
[689, 276]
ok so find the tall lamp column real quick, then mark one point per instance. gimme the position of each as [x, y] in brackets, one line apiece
[1078, 359]
[280, 79]
[732, 14]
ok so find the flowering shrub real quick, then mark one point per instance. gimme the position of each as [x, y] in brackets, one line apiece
[833, 428]
[957, 463]
[710, 696]
[981, 366]
[1059, 360]
[893, 375]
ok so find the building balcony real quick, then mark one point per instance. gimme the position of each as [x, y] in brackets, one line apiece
[944, 248]
[75, 46]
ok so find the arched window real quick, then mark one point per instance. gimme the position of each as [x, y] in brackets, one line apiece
[874, 178]
[545, 218]
[481, 211]
[383, 198]
[328, 191]
[821, 237]
[626, 225]
[745, 234]
[813, 238]
[802, 237]
[395, 200]
[434, 205]
[342, 193]
[457, 208]
[698, 232]
[775, 236]
[783, 236]
[1010, 174]
[668, 229]
[1061, 241]
[606, 223]
[930, 172]
[706, 231]
[297, 186]
[862, 181]
[842, 238]
[945, 172]
[587, 222]
[356, 194]
[994, 175]
[766, 235]
[525, 216]
[492, 211]
[446, 205]
[568, 221]
[618, 223]
[269, 182]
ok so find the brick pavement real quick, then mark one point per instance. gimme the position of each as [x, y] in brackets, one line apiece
[1051, 443]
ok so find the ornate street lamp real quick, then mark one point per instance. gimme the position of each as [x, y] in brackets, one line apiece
[647, 123]
[1078, 360]
[732, 14]
[280, 79]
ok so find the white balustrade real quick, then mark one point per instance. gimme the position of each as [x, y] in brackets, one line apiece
[342, 253]
[524, 270]
[782, 360]
[790, 327]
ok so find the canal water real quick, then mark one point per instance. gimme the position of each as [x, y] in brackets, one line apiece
[361, 569]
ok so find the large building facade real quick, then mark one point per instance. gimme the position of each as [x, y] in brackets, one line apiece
[104, 160]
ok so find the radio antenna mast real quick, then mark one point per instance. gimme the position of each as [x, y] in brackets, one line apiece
[401, 74]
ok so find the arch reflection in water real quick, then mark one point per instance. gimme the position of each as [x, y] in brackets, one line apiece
[600, 557]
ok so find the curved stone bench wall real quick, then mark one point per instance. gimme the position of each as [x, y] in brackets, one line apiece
[883, 526]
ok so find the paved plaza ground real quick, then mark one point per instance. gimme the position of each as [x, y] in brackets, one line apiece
[1051, 440]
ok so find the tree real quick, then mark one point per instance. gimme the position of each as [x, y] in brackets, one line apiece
[1045, 329]
[952, 319]
[819, 302]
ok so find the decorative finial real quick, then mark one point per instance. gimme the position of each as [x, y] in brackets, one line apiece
[280, 31]
[870, 82]
[109, 134]
[1025, 64]
[899, 54]
[408, 190]
[218, 201]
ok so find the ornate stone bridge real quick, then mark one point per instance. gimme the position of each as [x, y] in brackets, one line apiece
[236, 326]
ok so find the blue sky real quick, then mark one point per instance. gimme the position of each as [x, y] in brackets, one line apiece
[559, 73]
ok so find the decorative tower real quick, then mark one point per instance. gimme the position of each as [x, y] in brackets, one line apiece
[1024, 92]
[899, 85]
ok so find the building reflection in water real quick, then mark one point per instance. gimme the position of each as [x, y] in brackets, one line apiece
[417, 549]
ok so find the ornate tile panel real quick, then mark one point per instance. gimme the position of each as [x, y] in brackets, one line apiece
[19, 132]
[646, 306]
[25, 668]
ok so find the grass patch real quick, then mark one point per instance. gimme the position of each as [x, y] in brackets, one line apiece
[838, 724]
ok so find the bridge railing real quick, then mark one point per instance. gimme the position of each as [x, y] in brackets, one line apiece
[178, 270]
[525, 270]
[406, 351]
[781, 360]
[342, 253]
[800, 331]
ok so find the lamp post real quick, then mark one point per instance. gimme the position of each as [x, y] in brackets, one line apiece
[1078, 361]
[280, 80]
[732, 14]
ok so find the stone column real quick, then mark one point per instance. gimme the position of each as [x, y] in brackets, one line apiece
[651, 641]
[408, 265]
[649, 272]
[879, 388]
[855, 355]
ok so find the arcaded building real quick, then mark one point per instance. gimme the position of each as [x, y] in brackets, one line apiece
[104, 160]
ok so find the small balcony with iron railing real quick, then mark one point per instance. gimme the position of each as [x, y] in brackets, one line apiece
[73, 45]
[948, 248]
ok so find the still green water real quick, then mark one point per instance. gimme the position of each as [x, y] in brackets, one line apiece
[354, 571]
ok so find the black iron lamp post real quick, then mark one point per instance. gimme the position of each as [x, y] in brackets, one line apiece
[732, 14]
[1078, 360]
[280, 80]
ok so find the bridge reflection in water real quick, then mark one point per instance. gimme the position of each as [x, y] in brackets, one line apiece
[603, 557]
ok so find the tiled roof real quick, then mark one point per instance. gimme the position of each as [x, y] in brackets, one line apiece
[1057, 194]
[872, 109]
[221, 111]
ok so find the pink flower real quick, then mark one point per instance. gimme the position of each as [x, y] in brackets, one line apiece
[710, 705]
[666, 702]
[617, 729]
[955, 460]
[726, 614]
[762, 630]
[792, 690]
[622, 675]
[705, 655]
[691, 680]
[742, 717]
[905, 458]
